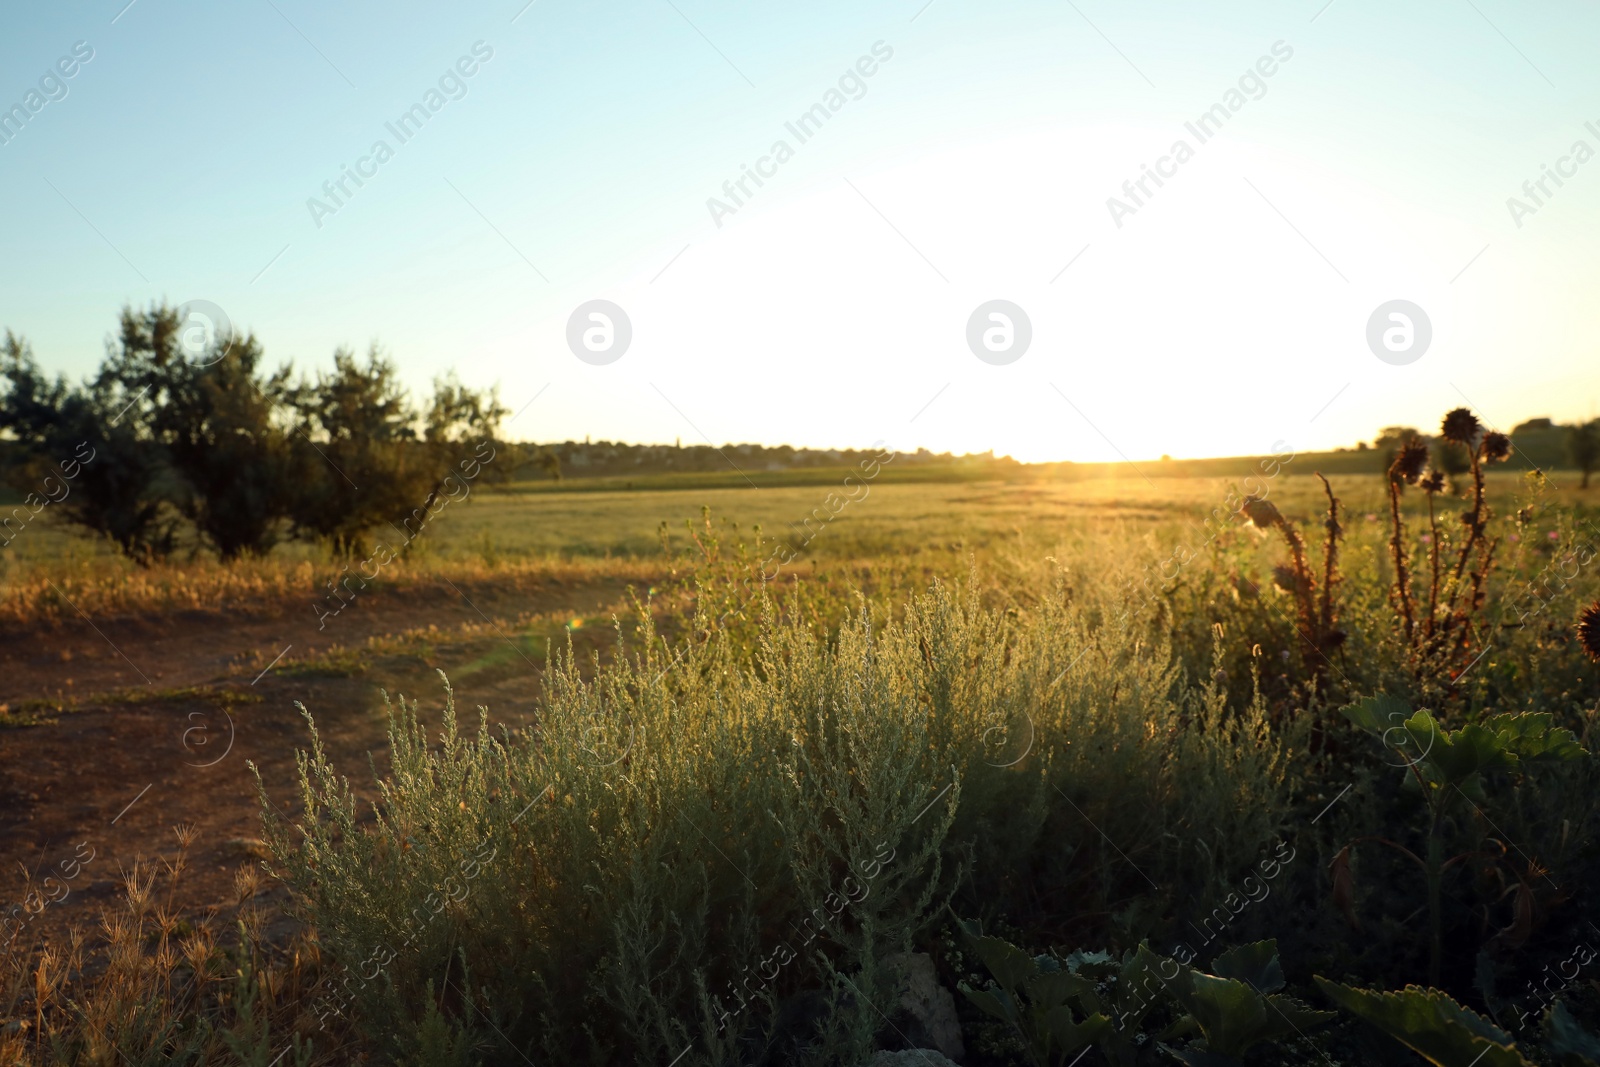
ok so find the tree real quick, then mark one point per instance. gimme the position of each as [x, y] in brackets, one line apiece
[118, 488]
[348, 462]
[1583, 445]
[550, 463]
[217, 421]
[366, 457]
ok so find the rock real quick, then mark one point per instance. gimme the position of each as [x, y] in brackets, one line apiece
[911, 1057]
[925, 1017]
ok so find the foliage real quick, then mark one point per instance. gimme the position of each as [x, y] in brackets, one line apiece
[1450, 767]
[1035, 997]
[213, 418]
[170, 428]
[108, 466]
[1583, 446]
[709, 816]
[1429, 1023]
[1234, 1009]
[1239, 1006]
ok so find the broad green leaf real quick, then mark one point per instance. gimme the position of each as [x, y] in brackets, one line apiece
[1010, 965]
[990, 1001]
[1231, 1014]
[1286, 1016]
[1533, 736]
[1097, 965]
[1144, 980]
[1377, 714]
[1054, 988]
[1430, 1024]
[1069, 1034]
[1256, 965]
[1471, 750]
[1571, 1043]
[1198, 1058]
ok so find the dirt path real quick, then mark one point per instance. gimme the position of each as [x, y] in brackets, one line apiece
[164, 715]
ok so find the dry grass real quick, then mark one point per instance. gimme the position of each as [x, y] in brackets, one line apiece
[106, 587]
[161, 981]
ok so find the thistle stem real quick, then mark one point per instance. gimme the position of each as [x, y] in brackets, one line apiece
[1402, 578]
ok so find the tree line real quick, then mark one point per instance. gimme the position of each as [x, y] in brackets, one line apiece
[205, 446]
[1541, 441]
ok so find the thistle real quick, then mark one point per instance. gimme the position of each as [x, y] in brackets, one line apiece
[1462, 427]
[1589, 630]
[1406, 468]
[1409, 464]
[1262, 513]
[1496, 447]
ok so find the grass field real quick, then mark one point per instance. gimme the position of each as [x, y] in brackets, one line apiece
[1086, 713]
[894, 524]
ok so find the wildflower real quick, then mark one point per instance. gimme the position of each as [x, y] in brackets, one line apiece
[1589, 630]
[1427, 539]
[1372, 517]
[1555, 536]
[1461, 426]
[1515, 538]
[1434, 482]
[1496, 447]
[1408, 465]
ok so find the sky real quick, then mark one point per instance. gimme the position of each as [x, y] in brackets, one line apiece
[1358, 154]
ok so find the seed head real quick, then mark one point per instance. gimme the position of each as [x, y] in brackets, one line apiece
[1434, 482]
[1288, 580]
[1589, 630]
[1261, 512]
[1496, 446]
[1461, 426]
[1409, 464]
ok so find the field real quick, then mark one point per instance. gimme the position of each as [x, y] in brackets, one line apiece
[1086, 714]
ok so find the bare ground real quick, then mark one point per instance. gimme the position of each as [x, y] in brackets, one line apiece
[144, 724]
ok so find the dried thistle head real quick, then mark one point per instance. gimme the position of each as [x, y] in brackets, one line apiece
[1496, 447]
[1434, 482]
[1462, 426]
[1261, 512]
[1289, 580]
[1410, 463]
[1589, 630]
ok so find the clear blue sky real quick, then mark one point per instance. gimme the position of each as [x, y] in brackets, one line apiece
[1226, 313]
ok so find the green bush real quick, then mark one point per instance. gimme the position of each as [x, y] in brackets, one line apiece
[680, 828]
